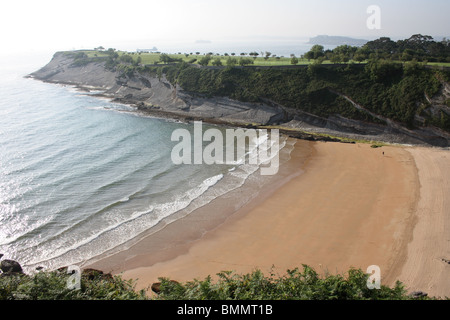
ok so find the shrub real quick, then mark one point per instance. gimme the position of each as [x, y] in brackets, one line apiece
[53, 286]
[205, 60]
[295, 285]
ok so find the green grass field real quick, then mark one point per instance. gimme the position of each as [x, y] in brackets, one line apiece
[152, 58]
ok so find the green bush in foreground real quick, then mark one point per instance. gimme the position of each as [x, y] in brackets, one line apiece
[53, 286]
[295, 285]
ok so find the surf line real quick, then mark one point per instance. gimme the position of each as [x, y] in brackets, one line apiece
[263, 145]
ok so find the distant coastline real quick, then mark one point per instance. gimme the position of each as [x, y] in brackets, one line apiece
[336, 41]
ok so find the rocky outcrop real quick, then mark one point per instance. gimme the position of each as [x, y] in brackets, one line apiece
[61, 70]
[154, 94]
[156, 287]
[10, 266]
[418, 294]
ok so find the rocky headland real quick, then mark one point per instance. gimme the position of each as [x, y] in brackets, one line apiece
[155, 94]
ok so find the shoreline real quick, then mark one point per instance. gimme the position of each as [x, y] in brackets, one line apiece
[160, 242]
[357, 208]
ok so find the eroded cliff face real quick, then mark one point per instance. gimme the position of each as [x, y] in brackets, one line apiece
[155, 94]
[61, 70]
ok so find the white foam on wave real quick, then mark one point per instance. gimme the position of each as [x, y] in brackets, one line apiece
[118, 232]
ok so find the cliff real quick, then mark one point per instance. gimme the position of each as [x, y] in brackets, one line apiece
[154, 94]
[319, 100]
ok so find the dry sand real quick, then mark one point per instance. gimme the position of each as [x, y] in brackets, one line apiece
[426, 266]
[351, 207]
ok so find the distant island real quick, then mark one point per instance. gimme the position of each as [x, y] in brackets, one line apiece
[203, 41]
[336, 41]
[154, 49]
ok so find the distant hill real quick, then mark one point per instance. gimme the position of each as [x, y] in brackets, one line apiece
[336, 41]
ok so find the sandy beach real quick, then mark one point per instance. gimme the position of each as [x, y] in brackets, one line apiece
[426, 266]
[343, 206]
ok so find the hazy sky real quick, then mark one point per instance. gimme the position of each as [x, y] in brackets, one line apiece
[61, 25]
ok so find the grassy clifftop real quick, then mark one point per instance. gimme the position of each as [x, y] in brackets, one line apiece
[412, 94]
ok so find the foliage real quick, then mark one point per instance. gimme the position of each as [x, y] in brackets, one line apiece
[316, 52]
[231, 62]
[384, 71]
[53, 286]
[217, 62]
[165, 58]
[294, 285]
[80, 59]
[245, 61]
[126, 58]
[205, 60]
[418, 47]
[391, 90]
[113, 59]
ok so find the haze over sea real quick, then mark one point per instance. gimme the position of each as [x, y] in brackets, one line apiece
[80, 175]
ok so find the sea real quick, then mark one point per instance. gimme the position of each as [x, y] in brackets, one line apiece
[81, 175]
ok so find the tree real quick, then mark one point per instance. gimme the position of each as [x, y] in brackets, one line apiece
[217, 62]
[205, 60]
[164, 58]
[336, 58]
[138, 61]
[294, 60]
[112, 53]
[245, 61]
[383, 70]
[407, 55]
[316, 51]
[358, 57]
[345, 51]
[267, 55]
[254, 54]
[361, 54]
[231, 62]
[126, 58]
[384, 44]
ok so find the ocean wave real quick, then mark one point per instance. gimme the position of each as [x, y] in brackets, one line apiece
[52, 249]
